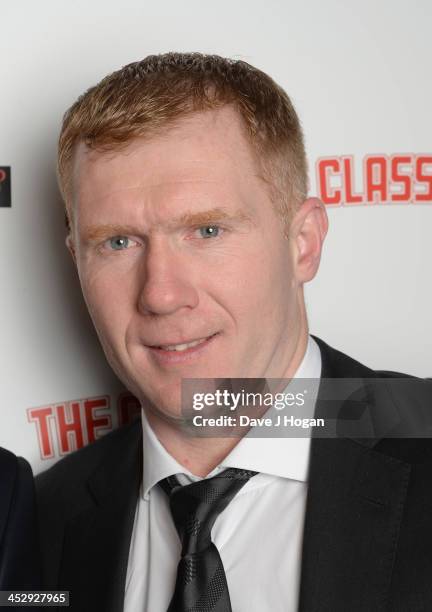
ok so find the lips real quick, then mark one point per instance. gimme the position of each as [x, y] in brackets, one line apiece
[181, 346]
[181, 351]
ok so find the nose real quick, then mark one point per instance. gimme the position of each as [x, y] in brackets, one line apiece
[166, 283]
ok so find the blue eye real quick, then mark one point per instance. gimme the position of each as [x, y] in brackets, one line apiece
[209, 231]
[118, 243]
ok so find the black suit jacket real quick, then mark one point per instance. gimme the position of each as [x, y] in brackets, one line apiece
[367, 544]
[19, 550]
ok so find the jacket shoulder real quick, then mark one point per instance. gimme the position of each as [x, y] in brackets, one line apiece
[336, 364]
[405, 398]
[73, 487]
[66, 479]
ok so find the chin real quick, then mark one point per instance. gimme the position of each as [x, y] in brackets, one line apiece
[165, 404]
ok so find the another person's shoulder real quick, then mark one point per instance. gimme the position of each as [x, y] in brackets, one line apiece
[8, 466]
[10, 463]
[13, 471]
[19, 562]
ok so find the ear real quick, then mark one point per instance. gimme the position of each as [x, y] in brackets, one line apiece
[71, 247]
[308, 230]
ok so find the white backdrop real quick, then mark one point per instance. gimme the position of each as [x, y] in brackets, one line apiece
[359, 76]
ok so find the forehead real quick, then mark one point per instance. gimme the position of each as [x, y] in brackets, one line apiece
[205, 149]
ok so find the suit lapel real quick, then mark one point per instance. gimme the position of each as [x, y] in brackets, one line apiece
[96, 541]
[354, 507]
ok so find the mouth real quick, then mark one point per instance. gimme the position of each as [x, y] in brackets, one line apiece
[178, 352]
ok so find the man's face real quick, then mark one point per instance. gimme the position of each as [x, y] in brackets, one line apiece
[176, 242]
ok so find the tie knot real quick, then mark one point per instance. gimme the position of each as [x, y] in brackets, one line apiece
[195, 507]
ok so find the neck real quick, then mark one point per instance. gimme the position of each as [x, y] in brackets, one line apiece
[198, 455]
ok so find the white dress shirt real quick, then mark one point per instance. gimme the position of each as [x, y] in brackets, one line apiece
[258, 535]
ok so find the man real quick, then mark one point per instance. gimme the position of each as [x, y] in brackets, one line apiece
[185, 183]
[19, 548]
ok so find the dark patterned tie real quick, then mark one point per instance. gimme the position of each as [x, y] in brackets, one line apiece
[201, 584]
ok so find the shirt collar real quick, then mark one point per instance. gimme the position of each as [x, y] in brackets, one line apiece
[285, 457]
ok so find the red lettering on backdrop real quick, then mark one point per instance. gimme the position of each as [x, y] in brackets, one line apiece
[350, 197]
[76, 423]
[328, 194]
[41, 417]
[424, 177]
[401, 178]
[95, 421]
[376, 178]
[404, 179]
[69, 426]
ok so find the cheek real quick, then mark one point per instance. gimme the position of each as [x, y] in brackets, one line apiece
[271, 292]
[109, 297]
[253, 285]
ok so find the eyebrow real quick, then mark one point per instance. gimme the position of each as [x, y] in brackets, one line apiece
[95, 233]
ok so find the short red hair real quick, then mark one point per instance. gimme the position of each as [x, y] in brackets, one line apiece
[147, 97]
